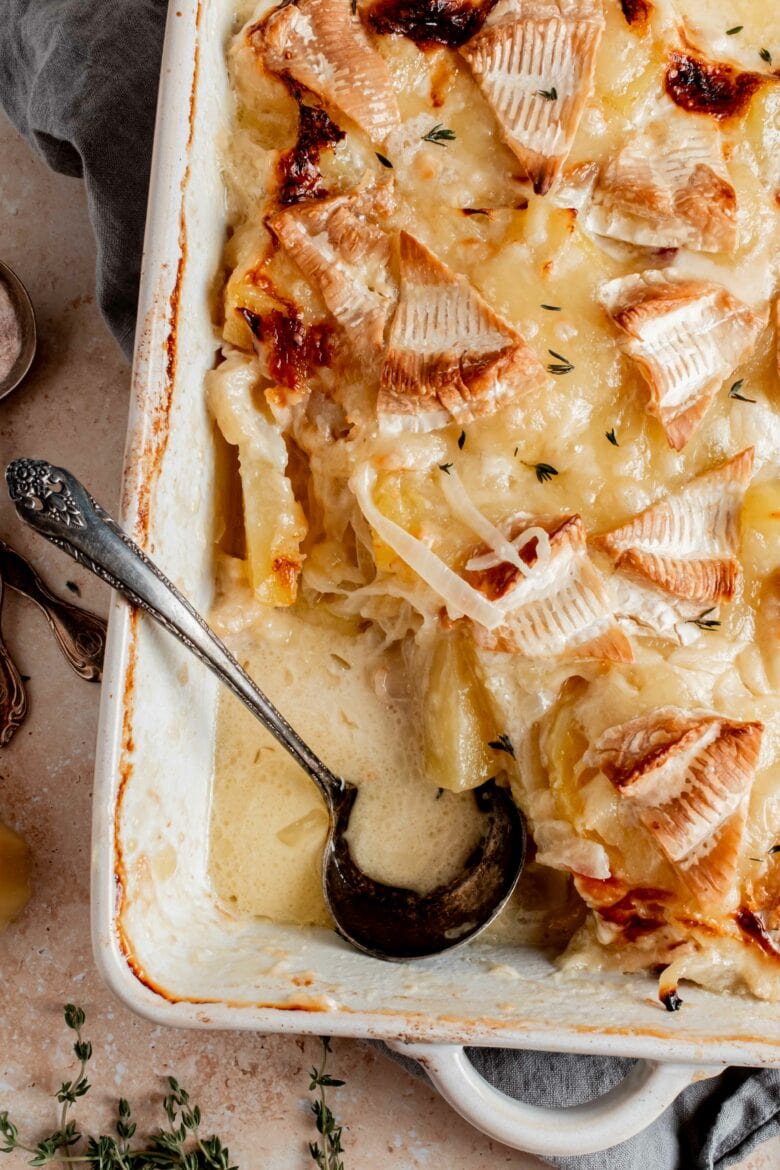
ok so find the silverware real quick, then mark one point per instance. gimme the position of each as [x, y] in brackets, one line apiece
[388, 922]
[25, 315]
[13, 698]
[80, 635]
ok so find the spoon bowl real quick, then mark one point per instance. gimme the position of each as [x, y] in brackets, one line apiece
[25, 315]
[387, 922]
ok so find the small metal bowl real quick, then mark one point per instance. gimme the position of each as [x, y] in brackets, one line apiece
[20, 299]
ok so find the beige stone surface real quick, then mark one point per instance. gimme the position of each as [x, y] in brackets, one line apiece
[253, 1089]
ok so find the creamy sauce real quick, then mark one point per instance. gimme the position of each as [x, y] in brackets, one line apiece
[334, 665]
[268, 820]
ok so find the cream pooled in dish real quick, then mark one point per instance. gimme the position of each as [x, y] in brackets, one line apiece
[499, 451]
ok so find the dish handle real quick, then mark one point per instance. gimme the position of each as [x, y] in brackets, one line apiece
[621, 1113]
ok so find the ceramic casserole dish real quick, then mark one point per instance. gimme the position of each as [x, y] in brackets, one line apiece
[164, 943]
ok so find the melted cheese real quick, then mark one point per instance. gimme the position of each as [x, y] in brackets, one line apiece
[540, 267]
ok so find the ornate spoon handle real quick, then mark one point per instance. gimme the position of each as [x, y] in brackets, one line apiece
[54, 503]
[80, 635]
[13, 698]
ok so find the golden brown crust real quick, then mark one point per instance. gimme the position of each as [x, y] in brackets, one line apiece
[709, 87]
[449, 356]
[322, 45]
[686, 543]
[685, 336]
[539, 120]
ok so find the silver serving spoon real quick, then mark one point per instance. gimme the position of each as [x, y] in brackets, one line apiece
[25, 316]
[388, 922]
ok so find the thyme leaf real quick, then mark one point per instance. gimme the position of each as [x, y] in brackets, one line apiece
[612, 437]
[551, 308]
[502, 744]
[445, 467]
[461, 440]
[765, 55]
[734, 392]
[544, 471]
[730, 32]
[704, 621]
[562, 365]
[384, 161]
[439, 135]
[550, 95]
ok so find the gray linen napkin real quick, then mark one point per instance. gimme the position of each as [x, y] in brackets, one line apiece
[79, 79]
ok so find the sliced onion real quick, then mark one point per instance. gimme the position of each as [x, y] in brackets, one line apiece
[459, 597]
[505, 550]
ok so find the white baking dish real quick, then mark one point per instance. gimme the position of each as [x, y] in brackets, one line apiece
[162, 941]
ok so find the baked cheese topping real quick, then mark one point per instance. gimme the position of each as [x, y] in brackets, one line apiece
[499, 378]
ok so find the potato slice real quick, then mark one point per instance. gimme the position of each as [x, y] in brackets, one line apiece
[457, 725]
[275, 523]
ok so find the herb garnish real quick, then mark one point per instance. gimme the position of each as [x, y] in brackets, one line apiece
[612, 437]
[476, 211]
[550, 95]
[73, 587]
[502, 744]
[179, 1147]
[439, 135]
[561, 366]
[734, 392]
[384, 161]
[704, 621]
[326, 1155]
[772, 849]
[462, 440]
[544, 471]
[445, 467]
[730, 32]
[765, 55]
[551, 308]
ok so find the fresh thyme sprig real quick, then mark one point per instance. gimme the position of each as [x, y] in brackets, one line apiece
[178, 1147]
[561, 366]
[326, 1155]
[544, 471]
[735, 391]
[439, 135]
